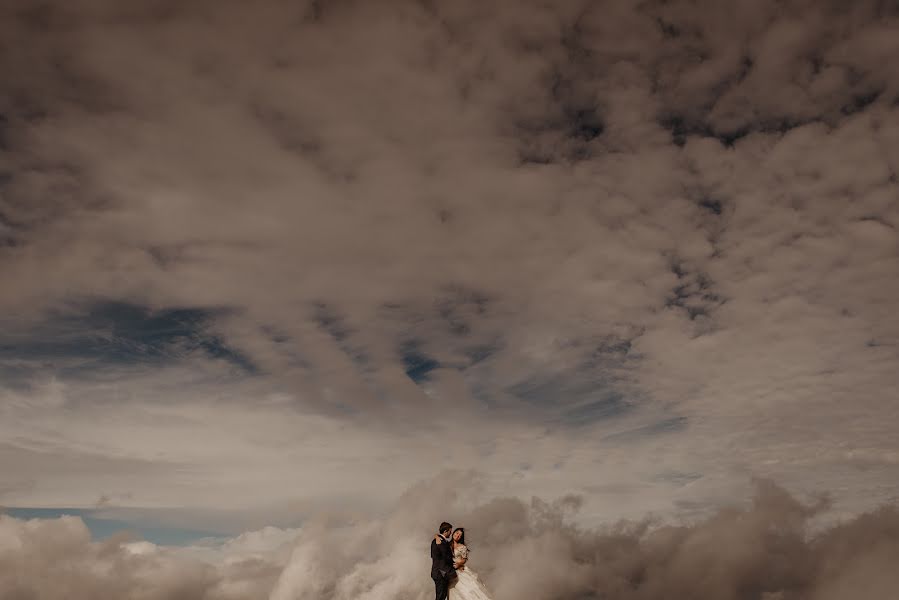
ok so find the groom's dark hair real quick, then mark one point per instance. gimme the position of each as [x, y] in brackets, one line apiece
[444, 527]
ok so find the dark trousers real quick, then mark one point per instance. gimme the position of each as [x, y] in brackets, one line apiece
[441, 585]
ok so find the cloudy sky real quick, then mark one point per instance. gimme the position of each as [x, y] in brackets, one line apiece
[261, 263]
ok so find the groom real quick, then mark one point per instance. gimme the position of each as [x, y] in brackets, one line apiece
[442, 570]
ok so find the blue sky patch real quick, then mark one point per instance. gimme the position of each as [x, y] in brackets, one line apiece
[416, 363]
[103, 528]
[114, 333]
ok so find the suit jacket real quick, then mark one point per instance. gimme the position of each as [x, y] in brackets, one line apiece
[442, 559]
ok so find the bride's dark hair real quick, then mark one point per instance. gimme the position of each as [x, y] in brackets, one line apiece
[461, 537]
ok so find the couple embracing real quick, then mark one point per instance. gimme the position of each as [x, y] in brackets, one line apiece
[452, 579]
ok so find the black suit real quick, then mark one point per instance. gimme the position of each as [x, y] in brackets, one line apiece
[442, 570]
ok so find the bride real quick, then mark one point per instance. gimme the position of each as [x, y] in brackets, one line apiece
[466, 585]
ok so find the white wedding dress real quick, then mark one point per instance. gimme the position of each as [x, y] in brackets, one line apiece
[467, 586]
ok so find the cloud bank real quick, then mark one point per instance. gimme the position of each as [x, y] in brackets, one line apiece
[764, 550]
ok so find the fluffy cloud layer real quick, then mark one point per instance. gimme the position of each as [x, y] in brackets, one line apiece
[764, 550]
[304, 253]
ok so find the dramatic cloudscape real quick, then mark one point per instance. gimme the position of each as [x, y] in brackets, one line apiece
[284, 284]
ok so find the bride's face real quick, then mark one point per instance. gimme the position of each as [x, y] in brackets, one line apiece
[457, 535]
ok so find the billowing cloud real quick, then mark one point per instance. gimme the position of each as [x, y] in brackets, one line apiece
[764, 549]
